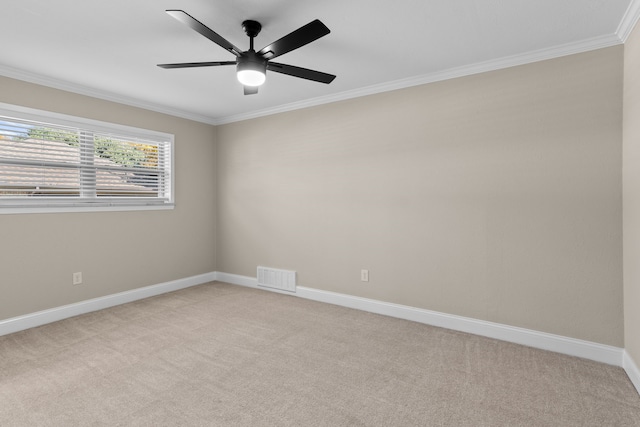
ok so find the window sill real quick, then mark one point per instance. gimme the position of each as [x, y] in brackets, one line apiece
[94, 208]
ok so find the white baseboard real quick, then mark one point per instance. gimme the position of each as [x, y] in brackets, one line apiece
[556, 343]
[39, 318]
[560, 344]
[632, 370]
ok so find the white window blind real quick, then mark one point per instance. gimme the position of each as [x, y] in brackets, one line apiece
[53, 161]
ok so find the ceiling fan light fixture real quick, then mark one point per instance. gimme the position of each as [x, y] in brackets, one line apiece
[251, 66]
[251, 70]
[251, 77]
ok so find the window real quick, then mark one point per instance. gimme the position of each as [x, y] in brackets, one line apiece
[55, 163]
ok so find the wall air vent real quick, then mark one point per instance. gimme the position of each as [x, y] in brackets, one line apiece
[283, 280]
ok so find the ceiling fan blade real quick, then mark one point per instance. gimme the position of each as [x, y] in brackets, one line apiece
[298, 38]
[303, 73]
[198, 26]
[250, 90]
[196, 64]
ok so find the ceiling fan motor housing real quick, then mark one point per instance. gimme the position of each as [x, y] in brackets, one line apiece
[251, 60]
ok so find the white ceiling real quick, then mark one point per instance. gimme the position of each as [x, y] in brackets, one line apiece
[110, 49]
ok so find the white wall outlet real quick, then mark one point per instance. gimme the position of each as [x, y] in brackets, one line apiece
[77, 278]
[364, 275]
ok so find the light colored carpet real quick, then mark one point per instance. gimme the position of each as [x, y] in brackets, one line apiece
[224, 355]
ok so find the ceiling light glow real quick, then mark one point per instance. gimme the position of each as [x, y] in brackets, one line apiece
[251, 77]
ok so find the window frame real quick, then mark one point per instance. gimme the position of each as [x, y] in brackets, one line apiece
[20, 205]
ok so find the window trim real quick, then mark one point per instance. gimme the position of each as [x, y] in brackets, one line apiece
[89, 205]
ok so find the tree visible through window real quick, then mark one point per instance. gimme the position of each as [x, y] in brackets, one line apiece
[58, 163]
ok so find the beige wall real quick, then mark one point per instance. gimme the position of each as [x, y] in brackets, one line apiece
[631, 185]
[116, 251]
[495, 196]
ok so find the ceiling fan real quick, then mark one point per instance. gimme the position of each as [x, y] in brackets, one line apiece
[251, 65]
